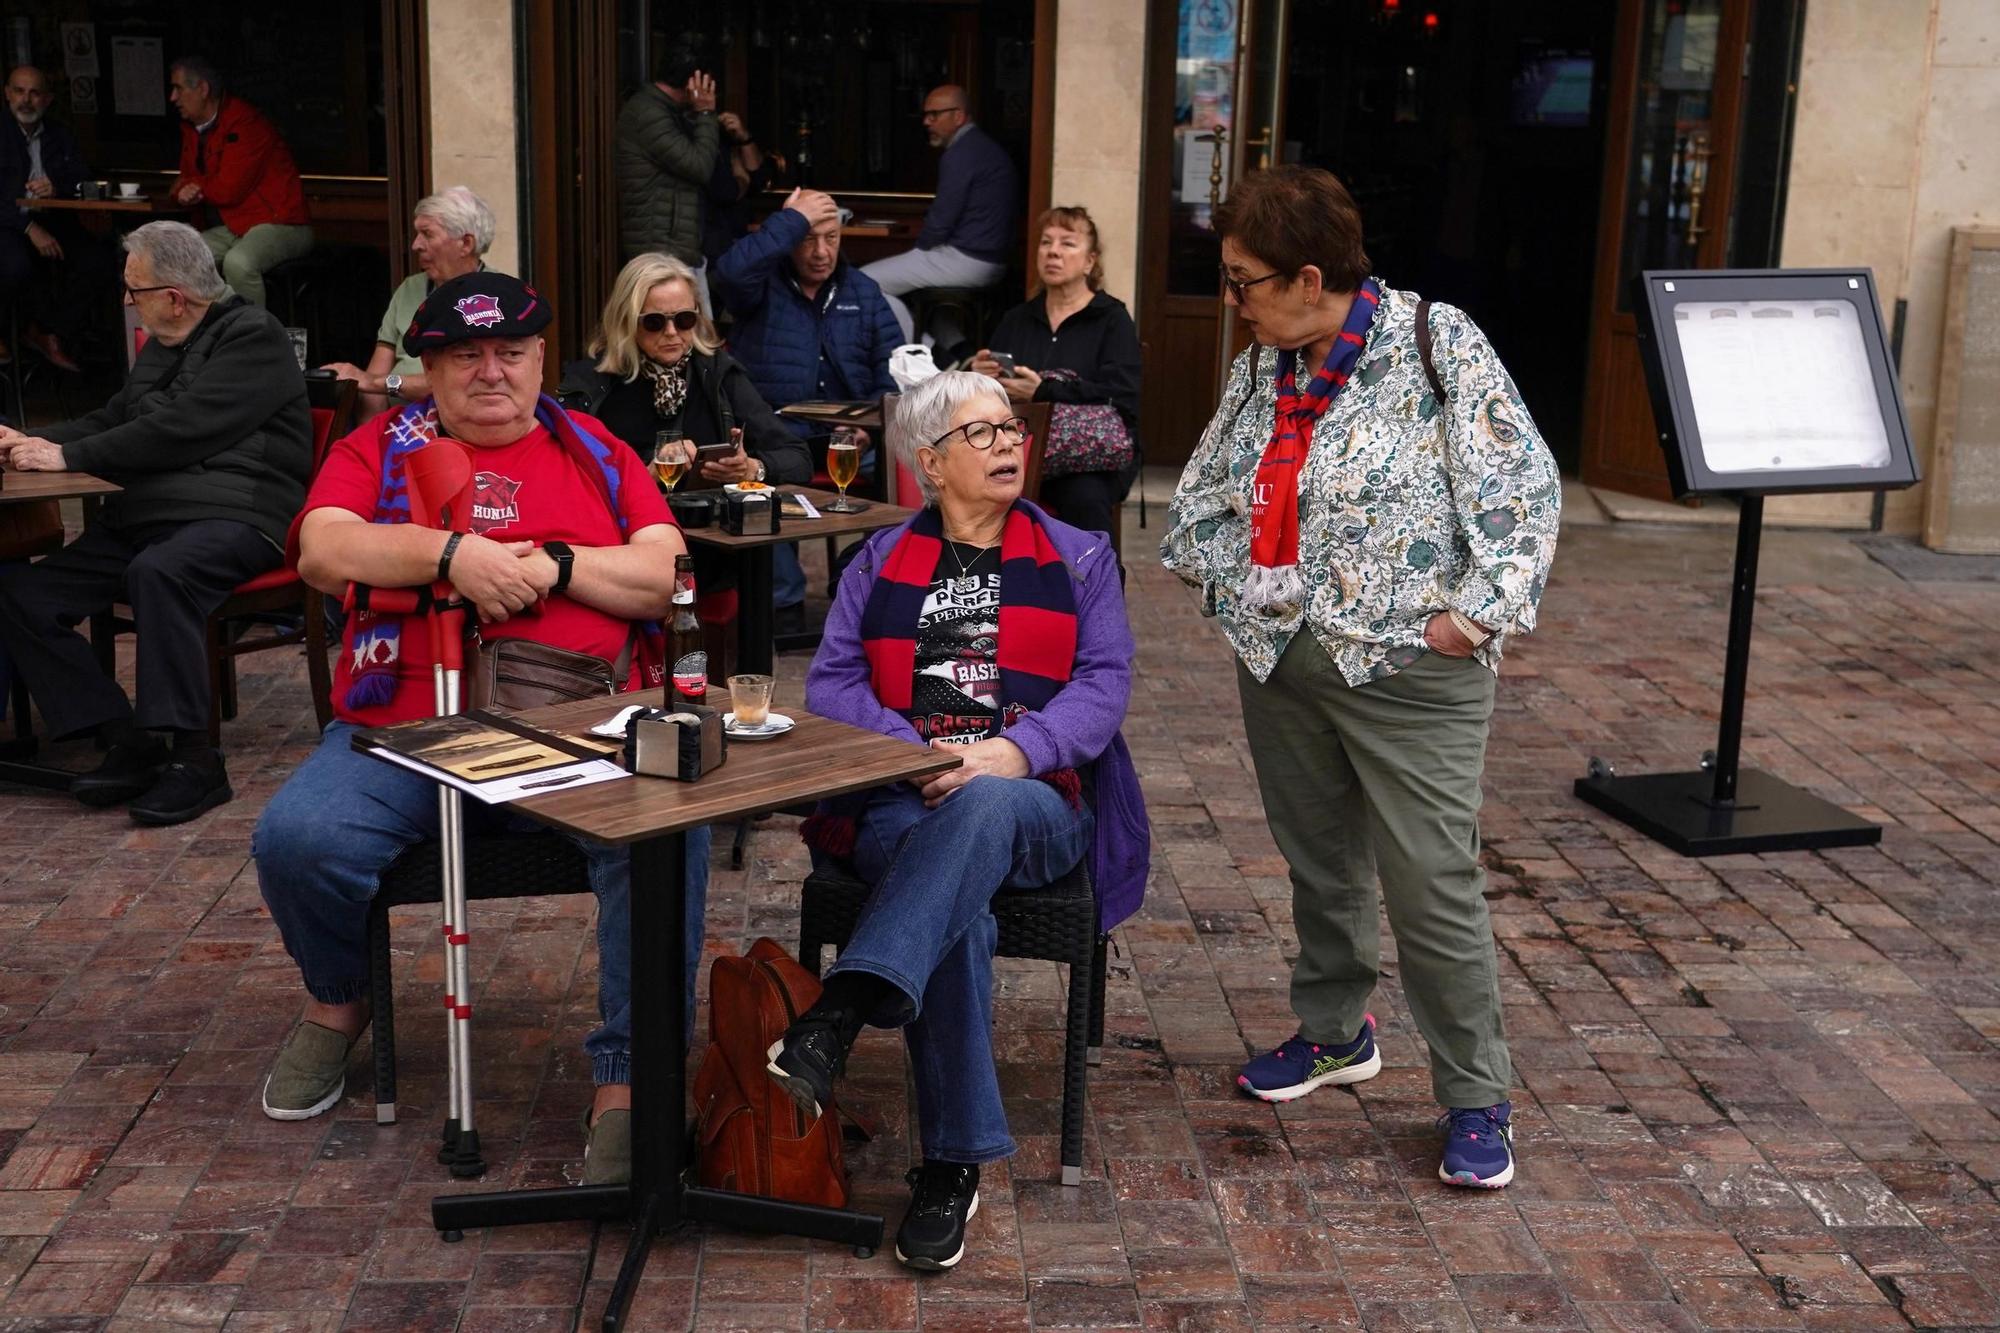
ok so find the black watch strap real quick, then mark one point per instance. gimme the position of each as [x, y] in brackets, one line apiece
[565, 559]
[444, 559]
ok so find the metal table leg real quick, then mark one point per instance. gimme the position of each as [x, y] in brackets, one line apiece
[753, 613]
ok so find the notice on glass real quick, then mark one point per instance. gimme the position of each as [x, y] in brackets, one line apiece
[138, 77]
[1781, 385]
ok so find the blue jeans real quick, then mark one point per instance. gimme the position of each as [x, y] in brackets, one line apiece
[928, 930]
[334, 827]
[788, 580]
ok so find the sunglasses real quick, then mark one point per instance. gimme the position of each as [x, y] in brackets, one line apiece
[656, 321]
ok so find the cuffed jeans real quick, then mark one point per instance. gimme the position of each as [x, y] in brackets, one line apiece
[1385, 777]
[335, 826]
[245, 259]
[928, 930]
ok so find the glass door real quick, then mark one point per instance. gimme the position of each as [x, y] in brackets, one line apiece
[1260, 101]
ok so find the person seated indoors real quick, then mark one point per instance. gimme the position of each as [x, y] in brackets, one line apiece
[809, 326]
[450, 233]
[983, 626]
[211, 439]
[50, 267]
[571, 545]
[234, 161]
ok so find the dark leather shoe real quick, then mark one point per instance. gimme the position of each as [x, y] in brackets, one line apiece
[189, 785]
[127, 771]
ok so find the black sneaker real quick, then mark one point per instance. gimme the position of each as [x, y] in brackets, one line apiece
[191, 784]
[806, 1061]
[128, 770]
[786, 620]
[943, 1198]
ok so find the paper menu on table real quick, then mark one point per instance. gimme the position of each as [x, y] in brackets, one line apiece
[493, 758]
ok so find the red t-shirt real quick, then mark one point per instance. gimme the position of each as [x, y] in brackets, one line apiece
[530, 490]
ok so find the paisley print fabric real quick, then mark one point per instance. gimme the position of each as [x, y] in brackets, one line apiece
[1407, 507]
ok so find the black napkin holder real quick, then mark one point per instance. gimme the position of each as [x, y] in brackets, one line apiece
[684, 744]
[693, 510]
[750, 513]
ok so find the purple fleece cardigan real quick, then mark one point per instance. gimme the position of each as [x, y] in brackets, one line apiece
[1079, 726]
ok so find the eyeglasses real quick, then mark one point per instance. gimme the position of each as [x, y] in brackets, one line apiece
[981, 434]
[131, 291]
[941, 111]
[1237, 286]
[656, 321]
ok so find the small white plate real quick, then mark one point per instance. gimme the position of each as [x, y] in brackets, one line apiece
[775, 724]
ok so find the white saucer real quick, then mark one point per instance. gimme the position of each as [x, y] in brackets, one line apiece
[775, 724]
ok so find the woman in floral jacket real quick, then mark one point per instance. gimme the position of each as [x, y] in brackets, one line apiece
[1368, 547]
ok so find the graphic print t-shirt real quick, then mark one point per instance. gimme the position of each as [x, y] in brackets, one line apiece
[531, 490]
[956, 693]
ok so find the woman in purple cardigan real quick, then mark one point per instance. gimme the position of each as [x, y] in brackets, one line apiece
[988, 627]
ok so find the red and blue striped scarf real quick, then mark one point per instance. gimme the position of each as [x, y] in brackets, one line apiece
[1273, 585]
[1035, 654]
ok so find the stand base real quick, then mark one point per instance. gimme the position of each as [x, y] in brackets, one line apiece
[1769, 815]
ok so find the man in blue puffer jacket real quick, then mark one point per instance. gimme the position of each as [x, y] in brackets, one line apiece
[809, 325]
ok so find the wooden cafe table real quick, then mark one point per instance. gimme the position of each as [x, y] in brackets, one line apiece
[753, 612]
[817, 759]
[34, 488]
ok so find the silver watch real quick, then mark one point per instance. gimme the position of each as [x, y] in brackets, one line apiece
[762, 471]
[394, 384]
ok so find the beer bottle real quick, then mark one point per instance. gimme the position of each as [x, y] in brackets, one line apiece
[687, 679]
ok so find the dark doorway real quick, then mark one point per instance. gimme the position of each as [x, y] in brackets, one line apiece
[1472, 136]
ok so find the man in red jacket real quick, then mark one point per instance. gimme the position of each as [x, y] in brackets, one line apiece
[233, 160]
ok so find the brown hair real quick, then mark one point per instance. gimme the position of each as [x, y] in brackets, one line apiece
[1293, 216]
[1076, 218]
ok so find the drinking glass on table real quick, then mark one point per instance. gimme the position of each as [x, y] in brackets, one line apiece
[750, 699]
[843, 464]
[670, 457]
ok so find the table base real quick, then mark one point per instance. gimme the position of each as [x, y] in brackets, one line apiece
[15, 768]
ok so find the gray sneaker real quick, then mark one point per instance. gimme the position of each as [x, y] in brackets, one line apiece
[607, 1153]
[310, 1075]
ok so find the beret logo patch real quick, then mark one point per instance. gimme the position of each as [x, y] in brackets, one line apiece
[479, 311]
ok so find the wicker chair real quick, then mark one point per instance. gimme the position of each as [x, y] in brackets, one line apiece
[1057, 923]
[506, 865]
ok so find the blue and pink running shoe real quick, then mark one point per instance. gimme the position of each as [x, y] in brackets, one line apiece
[1299, 1066]
[1478, 1146]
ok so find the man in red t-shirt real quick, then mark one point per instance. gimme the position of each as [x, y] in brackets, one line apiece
[571, 544]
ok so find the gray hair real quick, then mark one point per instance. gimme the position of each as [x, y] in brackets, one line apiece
[925, 412]
[179, 257]
[462, 213]
[199, 69]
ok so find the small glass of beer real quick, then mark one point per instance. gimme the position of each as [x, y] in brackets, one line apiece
[843, 464]
[670, 457]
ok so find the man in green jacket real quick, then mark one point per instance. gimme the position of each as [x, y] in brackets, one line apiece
[665, 151]
[211, 439]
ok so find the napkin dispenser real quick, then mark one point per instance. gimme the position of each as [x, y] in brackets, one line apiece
[692, 510]
[684, 744]
[750, 513]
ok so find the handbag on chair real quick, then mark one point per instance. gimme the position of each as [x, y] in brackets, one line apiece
[1084, 437]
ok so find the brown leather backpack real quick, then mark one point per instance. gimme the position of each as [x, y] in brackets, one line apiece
[753, 1137]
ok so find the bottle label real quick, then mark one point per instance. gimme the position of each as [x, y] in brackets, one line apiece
[684, 588]
[691, 676]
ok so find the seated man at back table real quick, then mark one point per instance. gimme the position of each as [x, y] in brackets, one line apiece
[47, 260]
[234, 160]
[809, 325]
[970, 224]
[211, 438]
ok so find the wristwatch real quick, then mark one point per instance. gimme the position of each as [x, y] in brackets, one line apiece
[565, 563]
[1475, 633]
[394, 384]
[762, 471]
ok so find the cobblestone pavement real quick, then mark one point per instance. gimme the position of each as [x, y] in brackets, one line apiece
[1755, 1092]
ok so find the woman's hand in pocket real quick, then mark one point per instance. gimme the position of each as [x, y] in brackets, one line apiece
[1442, 637]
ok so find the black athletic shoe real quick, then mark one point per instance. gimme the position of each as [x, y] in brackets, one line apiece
[128, 770]
[789, 619]
[943, 1198]
[807, 1059]
[190, 785]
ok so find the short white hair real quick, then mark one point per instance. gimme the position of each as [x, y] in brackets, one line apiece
[180, 258]
[925, 412]
[462, 213]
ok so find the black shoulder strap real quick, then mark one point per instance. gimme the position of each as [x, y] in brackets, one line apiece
[1424, 351]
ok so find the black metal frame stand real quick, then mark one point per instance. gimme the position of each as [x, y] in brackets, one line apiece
[1714, 813]
[659, 1197]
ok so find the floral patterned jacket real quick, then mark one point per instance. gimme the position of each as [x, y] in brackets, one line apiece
[1404, 511]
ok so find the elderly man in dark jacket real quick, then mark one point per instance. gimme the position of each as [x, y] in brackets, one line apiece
[46, 257]
[211, 439]
[665, 150]
[810, 325]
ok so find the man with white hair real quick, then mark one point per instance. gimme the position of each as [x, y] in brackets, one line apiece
[211, 439]
[46, 254]
[450, 233]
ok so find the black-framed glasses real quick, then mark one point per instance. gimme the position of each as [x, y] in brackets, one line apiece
[981, 434]
[131, 291]
[1237, 286]
[656, 321]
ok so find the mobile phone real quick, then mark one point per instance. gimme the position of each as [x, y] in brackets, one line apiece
[713, 453]
[1005, 361]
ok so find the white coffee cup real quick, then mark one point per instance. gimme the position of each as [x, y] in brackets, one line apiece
[128, 189]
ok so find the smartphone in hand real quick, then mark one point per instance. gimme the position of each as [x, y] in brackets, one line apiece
[1005, 361]
[713, 453]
